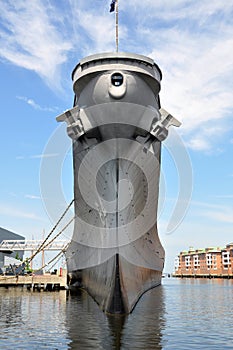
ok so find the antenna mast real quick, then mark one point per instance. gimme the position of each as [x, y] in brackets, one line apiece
[117, 27]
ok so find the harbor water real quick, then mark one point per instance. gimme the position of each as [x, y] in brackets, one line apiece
[179, 314]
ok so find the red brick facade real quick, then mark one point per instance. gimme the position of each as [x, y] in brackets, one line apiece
[205, 262]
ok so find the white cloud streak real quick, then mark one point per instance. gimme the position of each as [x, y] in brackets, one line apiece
[38, 156]
[211, 206]
[215, 212]
[35, 105]
[224, 217]
[94, 26]
[16, 213]
[44, 155]
[226, 196]
[31, 196]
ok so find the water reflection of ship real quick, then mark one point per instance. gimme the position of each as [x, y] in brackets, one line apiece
[117, 127]
[142, 329]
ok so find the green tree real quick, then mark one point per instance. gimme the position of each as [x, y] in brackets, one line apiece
[17, 256]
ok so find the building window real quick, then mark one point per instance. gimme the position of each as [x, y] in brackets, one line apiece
[187, 262]
[214, 261]
[196, 262]
[209, 261]
[226, 260]
[177, 263]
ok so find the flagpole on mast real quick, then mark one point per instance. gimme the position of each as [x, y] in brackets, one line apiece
[117, 36]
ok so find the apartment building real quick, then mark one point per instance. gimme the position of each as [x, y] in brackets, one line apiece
[212, 261]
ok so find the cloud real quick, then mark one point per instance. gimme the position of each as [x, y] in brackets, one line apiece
[44, 155]
[39, 156]
[224, 217]
[226, 196]
[16, 213]
[199, 143]
[29, 38]
[30, 196]
[166, 10]
[35, 105]
[200, 204]
[196, 88]
[94, 26]
[42, 36]
[215, 212]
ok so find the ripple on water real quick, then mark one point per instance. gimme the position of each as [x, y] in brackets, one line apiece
[180, 314]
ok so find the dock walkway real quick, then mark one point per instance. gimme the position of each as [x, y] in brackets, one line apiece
[228, 276]
[47, 282]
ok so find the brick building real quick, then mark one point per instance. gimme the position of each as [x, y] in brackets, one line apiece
[216, 262]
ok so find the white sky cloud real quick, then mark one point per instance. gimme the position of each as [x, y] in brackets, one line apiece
[44, 155]
[35, 105]
[8, 211]
[38, 156]
[225, 196]
[30, 39]
[225, 217]
[99, 34]
[214, 212]
[210, 206]
[196, 86]
[31, 196]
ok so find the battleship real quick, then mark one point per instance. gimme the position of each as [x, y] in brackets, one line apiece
[117, 126]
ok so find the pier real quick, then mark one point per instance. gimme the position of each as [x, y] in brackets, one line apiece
[44, 282]
[226, 276]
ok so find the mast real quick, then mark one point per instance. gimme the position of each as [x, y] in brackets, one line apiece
[114, 8]
[117, 27]
[42, 254]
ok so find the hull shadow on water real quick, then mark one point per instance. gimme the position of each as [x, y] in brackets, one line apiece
[89, 328]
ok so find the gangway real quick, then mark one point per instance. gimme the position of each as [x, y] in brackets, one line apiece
[31, 245]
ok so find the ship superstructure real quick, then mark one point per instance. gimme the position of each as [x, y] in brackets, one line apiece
[117, 127]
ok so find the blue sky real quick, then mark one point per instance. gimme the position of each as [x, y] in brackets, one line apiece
[191, 41]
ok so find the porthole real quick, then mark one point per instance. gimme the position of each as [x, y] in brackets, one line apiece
[117, 79]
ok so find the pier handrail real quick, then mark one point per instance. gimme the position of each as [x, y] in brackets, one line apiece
[32, 245]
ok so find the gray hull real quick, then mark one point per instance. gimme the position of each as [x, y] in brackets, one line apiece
[116, 285]
[117, 128]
